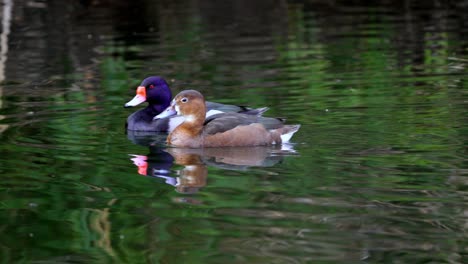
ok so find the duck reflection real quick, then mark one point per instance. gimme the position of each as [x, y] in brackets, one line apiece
[159, 163]
[193, 176]
[145, 138]
[240, 158]
[156, 164]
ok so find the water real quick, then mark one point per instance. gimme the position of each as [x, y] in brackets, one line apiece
[377, 172]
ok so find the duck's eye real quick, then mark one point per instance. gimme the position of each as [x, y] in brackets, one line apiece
[184, 100]
[151, 86]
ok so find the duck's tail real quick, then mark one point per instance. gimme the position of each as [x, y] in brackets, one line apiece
[288, 131]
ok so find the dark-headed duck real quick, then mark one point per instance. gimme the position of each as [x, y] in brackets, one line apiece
[156, 92]
[221, 130]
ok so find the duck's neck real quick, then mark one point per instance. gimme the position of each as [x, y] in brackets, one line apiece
[188, 134]
[193, 123]
[155, 109]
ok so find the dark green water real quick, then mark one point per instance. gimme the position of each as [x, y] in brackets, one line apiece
[377, 173]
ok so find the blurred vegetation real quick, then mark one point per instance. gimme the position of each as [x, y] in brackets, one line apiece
[380, 91]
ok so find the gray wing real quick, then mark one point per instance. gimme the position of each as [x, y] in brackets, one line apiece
[225, 121]
[235, 108]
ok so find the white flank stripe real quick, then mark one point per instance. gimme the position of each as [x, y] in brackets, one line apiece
[213, 112]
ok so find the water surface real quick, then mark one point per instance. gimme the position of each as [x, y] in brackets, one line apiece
[377, 172]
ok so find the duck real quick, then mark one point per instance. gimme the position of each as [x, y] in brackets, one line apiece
[222, 129]
[155, 90]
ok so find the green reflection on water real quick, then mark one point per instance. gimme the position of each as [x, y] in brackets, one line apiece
[378, 174]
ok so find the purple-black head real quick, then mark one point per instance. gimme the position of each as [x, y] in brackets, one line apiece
[153, 90]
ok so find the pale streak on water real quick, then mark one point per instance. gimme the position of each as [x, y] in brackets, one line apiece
[6, 18]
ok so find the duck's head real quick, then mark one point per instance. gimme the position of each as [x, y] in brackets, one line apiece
[188, 103]
[153, 90]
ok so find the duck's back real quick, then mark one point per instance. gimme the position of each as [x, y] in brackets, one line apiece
[226, 108]
[223, 122]
[253, 134]
[233, 129]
